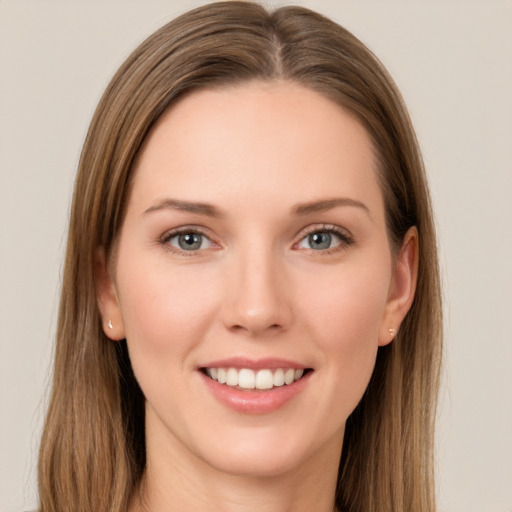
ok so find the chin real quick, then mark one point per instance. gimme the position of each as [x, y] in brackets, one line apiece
[262, 466]
[267, 455]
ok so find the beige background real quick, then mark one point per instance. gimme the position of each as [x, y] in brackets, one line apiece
[451, 59]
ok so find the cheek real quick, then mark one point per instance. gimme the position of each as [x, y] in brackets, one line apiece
[345, 322]
[164, 309]
[347, 306]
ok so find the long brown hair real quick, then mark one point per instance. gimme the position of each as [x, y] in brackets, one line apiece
[93, 448]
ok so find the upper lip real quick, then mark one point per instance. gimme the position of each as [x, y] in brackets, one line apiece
[254, 364]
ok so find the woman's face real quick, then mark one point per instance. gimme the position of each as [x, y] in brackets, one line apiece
[254, 249]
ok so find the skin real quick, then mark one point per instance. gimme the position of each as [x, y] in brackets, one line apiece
[256, 288]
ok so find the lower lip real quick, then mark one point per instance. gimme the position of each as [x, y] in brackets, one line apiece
[255, 402]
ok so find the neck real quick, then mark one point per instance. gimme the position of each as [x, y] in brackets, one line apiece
[233, 494]
[178, 482]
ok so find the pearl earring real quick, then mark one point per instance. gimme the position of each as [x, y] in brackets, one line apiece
[392, 332]
[109, 323]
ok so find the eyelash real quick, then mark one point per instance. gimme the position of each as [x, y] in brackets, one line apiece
[346, 239]
[186, 230]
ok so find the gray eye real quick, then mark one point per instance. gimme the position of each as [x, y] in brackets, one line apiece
[189, 241]
[320, 240]
[323, 240]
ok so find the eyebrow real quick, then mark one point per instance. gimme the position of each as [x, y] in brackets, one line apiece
[300, 209]
[327, 204]
[185, 206]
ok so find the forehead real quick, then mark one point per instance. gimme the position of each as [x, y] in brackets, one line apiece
[263, 140]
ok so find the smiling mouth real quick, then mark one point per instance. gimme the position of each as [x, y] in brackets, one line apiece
[247, 379]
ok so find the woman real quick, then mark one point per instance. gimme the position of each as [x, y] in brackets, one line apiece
[250, 313]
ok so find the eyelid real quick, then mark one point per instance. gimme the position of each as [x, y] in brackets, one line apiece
[344, 234]
[171, 233]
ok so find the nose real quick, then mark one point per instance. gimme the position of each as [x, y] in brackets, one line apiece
[257, 295]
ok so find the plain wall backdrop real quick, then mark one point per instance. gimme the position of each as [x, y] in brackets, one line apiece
[452, 61]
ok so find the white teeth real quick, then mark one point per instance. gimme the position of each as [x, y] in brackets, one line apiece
[278, 377]
[250, 379]
[289, 376]
[246, 379]
[221, 375]
[232, 377]
[264, 379]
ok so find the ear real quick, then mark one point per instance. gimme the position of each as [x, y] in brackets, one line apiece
[402, 287]
[106, 296]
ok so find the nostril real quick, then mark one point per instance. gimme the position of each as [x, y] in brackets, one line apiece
[252, 328]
